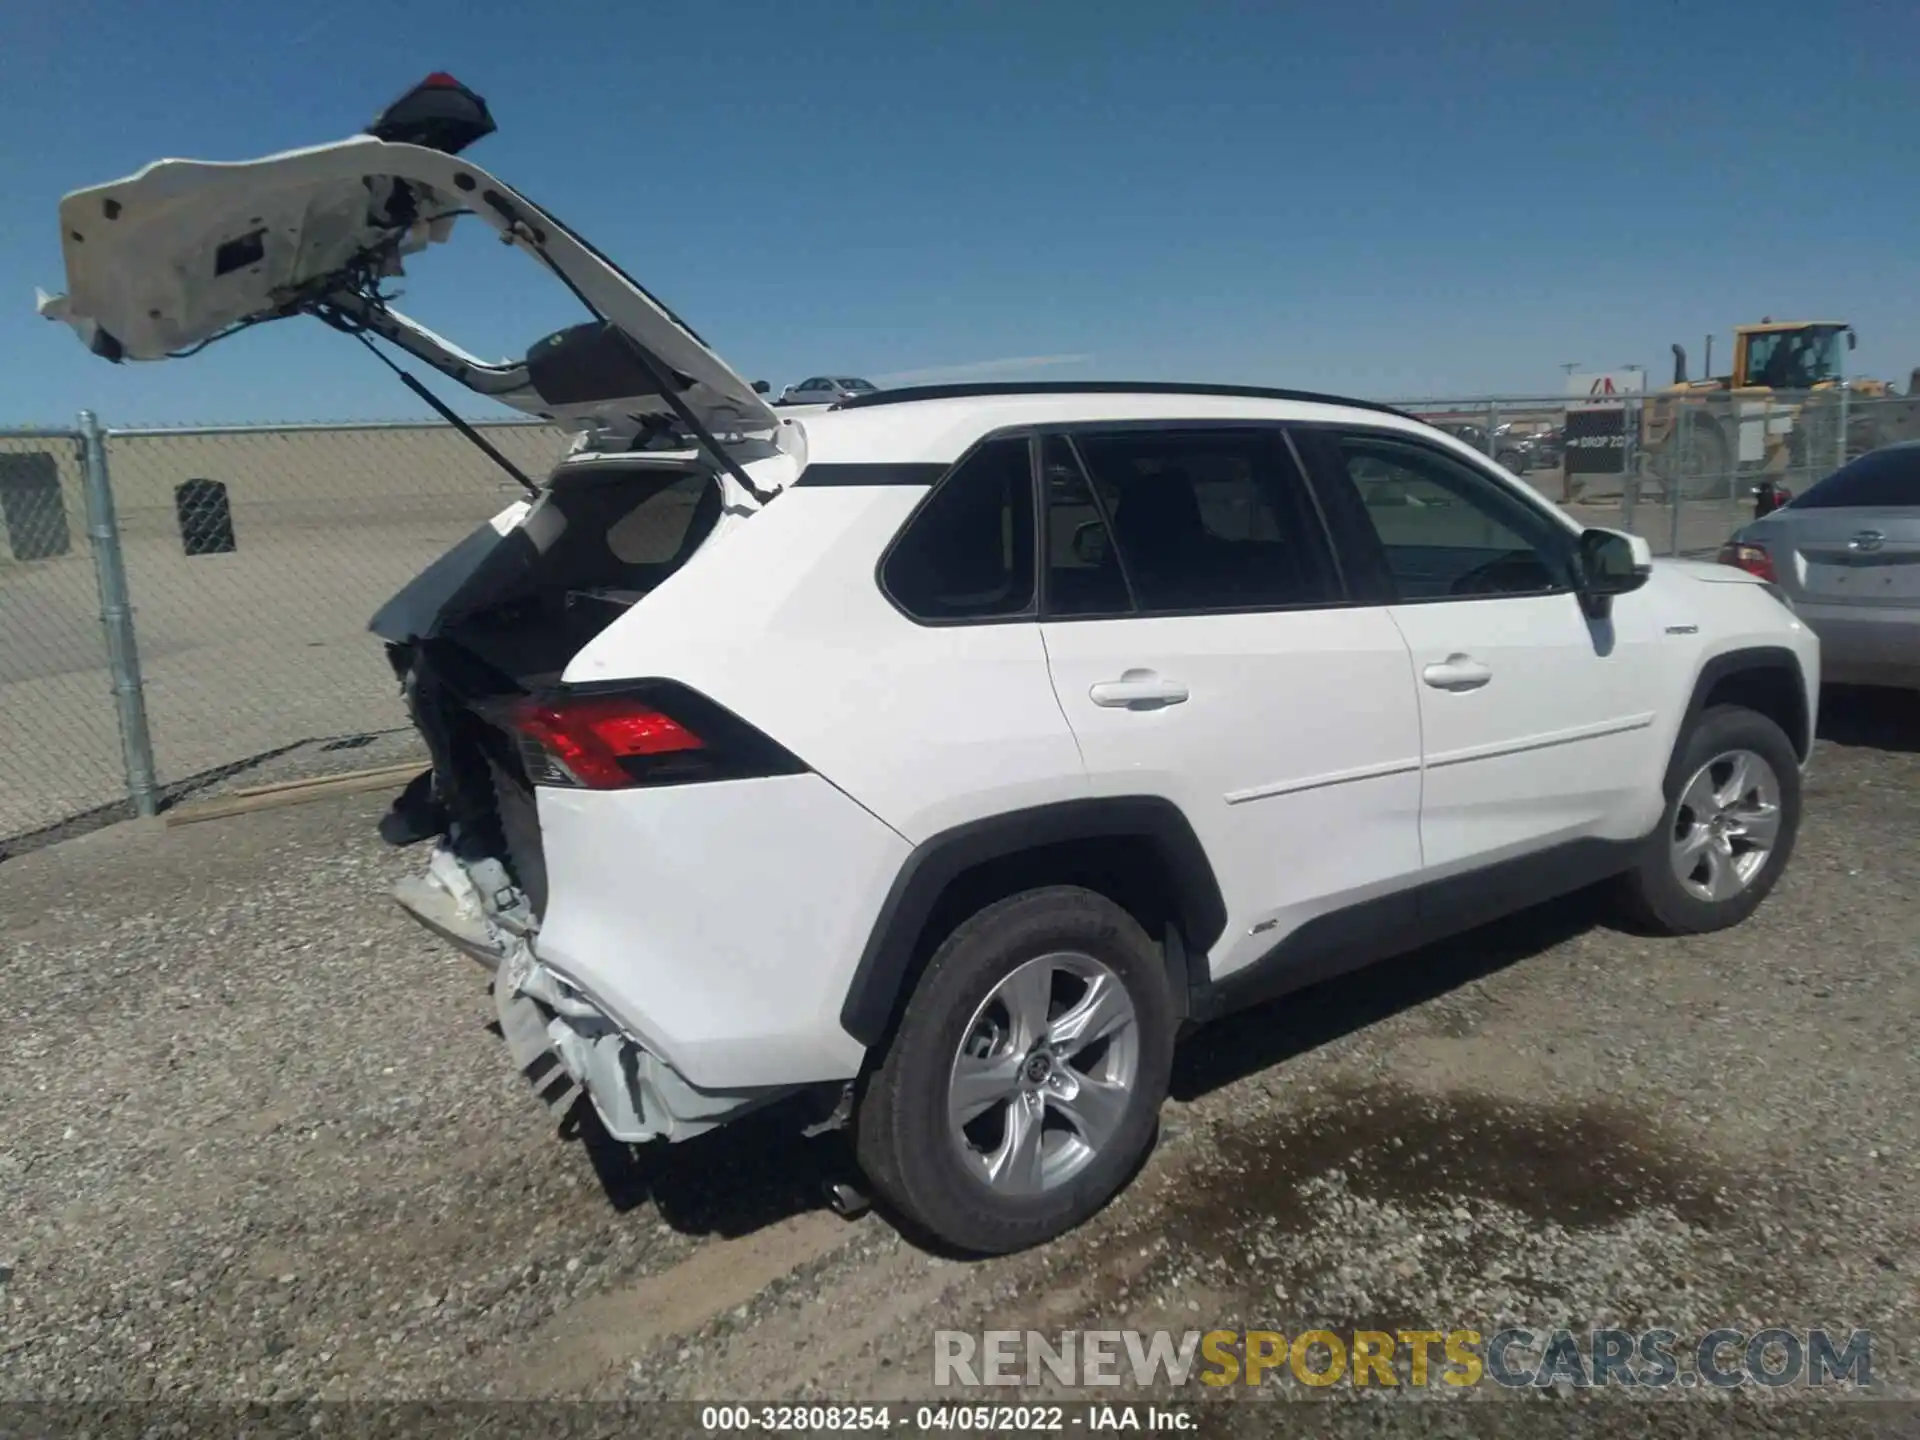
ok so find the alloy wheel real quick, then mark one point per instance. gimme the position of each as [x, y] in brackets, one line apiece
[1045, 1073]
[1726, 825]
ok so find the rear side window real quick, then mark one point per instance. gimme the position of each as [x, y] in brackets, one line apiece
[1198, 519]
[1881, 478]
[967, 554]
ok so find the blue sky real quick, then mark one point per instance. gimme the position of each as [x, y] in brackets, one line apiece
[1386, 199]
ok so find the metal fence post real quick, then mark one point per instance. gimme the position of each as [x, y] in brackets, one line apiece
[116, 618]
[1840, 446]
[1629, 463]
[1676, 473]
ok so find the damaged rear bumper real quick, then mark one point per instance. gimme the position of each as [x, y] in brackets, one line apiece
[561, 1042]
[551, 1027]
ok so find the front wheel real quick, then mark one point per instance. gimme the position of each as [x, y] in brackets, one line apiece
[1023, 1087]
[1732, 815]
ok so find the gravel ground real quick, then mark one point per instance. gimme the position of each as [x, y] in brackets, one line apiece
[260, 1146]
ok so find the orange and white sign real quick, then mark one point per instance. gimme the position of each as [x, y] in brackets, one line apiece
[1607, 387]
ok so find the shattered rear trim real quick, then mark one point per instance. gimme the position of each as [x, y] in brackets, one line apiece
[560, 1040]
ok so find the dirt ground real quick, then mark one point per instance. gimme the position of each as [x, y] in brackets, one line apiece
[260, 1146]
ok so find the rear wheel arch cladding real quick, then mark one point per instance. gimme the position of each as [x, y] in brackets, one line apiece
[1766, 679]
[1110, 833]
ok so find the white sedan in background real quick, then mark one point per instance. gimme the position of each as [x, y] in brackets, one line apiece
[826, 390]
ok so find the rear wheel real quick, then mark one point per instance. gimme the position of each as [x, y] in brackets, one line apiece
[1023, 1087]
[1729, 827]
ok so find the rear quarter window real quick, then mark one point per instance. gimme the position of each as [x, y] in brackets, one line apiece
[968, 552]
[1876, 480]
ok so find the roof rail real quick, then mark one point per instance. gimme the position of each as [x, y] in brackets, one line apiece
[907, 394]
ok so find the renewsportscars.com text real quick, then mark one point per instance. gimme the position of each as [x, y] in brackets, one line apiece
[1512, 1358]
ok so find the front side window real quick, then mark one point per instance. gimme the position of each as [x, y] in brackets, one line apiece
[1200, 520]
[1448, 531]
[967, 553]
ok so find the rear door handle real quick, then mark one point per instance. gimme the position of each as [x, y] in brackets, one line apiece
[1457, 672]
[1138, 690]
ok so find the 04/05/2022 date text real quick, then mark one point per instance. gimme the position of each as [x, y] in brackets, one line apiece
[988, 1419]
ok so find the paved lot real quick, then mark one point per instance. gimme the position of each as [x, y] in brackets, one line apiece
[260, 1144]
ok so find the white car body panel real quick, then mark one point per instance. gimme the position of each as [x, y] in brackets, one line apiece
[1296, 757]
[1715, 611]
[719, 924]
[1559, 744]
[767, 626]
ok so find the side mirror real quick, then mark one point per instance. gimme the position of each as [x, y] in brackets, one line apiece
[760, 387]
[1612, 563]
[1090, 543]
[1852, 339]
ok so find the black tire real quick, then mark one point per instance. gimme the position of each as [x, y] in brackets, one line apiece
[1652, 892]
[902, 1133]
[1513, 460]
[1706, 466]
[1695, 462]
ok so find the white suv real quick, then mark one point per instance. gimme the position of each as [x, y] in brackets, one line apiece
[932, 762]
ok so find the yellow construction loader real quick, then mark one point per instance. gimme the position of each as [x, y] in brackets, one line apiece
[1780, 412]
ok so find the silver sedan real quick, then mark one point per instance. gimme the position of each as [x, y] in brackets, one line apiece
[1847, 555]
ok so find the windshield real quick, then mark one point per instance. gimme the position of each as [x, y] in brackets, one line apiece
[1793, 359]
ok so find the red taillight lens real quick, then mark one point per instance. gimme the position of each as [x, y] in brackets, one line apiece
[595, 738]
[1749, 557]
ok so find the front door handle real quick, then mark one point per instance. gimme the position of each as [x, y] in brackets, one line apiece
[1457, 672]
[1138, 690]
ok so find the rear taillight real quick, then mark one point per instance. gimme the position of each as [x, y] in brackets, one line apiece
[1745, 555]
[658, 734]
[603, 742]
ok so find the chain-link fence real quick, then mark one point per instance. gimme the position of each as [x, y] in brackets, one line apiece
[60, 746]
[253, 558]
[183, 605]
[1681, 469]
